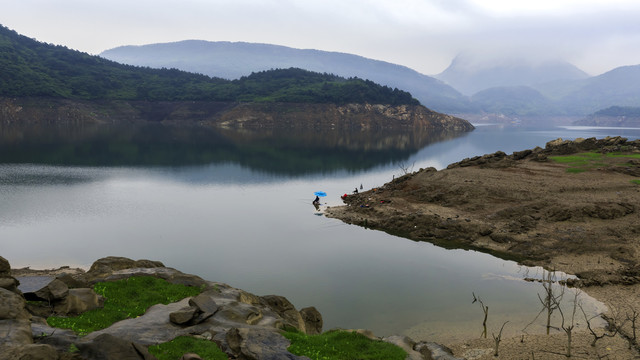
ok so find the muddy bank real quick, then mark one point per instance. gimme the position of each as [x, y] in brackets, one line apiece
[524, 206]
[578, 215]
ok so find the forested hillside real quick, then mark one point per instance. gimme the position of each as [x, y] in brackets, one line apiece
[30, 68]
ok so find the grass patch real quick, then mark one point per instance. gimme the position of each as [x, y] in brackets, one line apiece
[585, 161]
[621, 155]
[126, 298]
[636, 181]
[174, 349]
[341, 345]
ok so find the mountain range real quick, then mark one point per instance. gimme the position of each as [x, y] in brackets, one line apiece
[511, 87]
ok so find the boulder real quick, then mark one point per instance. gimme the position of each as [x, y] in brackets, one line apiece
[204, 303]
[77, 301]
[5, 267]
[73, 282]
[258, 344]
[109, 347]
[55, 290]
[312, 320]
[6, 280]
[31, 352]
[9, 283]
[286, 310]
[12, 306]
[15, 332]
[184, 315]
[105, 266]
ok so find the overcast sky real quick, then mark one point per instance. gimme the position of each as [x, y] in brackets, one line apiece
[595, 35]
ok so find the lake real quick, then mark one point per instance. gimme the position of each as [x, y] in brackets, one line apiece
[236, 208]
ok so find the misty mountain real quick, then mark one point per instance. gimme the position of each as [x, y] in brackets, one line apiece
[621, 116]
[29, 68]
[232, 60]
[513, 101]
[470, 75]
[618, 87]
[576, 97]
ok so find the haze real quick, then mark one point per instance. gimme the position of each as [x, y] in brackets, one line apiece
[595, 35]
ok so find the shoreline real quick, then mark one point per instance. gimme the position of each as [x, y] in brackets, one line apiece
[528, 207]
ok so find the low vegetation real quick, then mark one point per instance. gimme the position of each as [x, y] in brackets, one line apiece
[174, 349]
[127, 298]
[340, 345]
[591, 160]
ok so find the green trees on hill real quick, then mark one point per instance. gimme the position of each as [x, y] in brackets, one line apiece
[32, 68]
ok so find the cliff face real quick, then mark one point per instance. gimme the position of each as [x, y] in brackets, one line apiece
[230, 115]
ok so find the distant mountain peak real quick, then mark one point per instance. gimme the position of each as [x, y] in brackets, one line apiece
[472, 73]
[232, 60]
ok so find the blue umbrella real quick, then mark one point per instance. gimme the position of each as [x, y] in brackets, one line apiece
[320, 193]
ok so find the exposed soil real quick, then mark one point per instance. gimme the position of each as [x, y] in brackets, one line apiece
[530, 208]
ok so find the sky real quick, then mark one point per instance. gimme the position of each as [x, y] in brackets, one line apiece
[425, 35]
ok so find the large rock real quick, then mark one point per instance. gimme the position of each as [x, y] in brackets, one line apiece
[12, 306]
[30, 352]
[312, 320]
[106, 266]
[286, 310]
[6, 280]
[55, 290]
[5, 267]
[258, 344]
[77, 301]
[109, 347]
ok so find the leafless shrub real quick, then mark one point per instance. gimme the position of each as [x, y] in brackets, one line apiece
[485, 310]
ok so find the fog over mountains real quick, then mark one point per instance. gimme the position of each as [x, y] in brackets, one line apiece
[232, 60]
[509, 87]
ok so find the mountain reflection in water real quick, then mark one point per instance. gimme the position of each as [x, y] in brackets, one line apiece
[291, 153]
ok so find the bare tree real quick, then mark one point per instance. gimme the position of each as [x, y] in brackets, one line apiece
[485, 310]
[550, 300]
[597, 337]
[497, 339]
[406, 168]
[632, 316]
[568, 327]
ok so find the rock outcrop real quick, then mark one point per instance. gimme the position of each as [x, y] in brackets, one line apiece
[230, 115]
[243, 325]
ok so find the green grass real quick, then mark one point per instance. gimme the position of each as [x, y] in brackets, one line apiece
[127, 298]
[585, 161]
[174, 349]
[636, 181]
[342, 345]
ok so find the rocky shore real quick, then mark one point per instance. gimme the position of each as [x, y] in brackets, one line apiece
[527, 207]
[243, 325]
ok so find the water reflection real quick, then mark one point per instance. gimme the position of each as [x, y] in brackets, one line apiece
[291, 152]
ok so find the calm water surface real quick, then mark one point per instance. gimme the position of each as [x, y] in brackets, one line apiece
[252, 225]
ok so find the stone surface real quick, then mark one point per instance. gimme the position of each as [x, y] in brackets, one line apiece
[183, 315]
[286, 310]
[55, 290]
[109, 347]
[77, 302]
[30, 352]
[12, 305]
[9, 283]
[204, 303]
[110, 264]
[5, 267]
[312, 320]
[259, 344]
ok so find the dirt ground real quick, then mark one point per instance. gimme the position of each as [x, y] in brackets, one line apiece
[530, 207]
